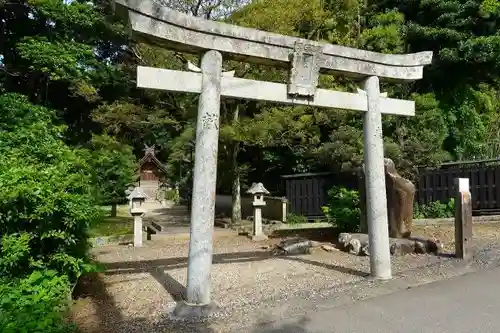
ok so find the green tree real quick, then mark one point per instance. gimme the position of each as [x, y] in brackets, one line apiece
[114, 168]
[46, 196]
[60, 54]
[465, 71]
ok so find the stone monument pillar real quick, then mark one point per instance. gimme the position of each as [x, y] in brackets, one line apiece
[463, 219]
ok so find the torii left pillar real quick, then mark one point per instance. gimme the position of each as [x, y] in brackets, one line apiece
[198, 301]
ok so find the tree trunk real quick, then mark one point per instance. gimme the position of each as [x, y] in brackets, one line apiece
[236, 197]
[114, 209]
[236, 189]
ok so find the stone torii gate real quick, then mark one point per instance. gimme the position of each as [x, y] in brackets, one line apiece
[305, 59]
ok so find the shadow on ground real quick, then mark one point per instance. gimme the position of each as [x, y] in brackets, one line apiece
[329, 234]
[145, 266]
[109, 319]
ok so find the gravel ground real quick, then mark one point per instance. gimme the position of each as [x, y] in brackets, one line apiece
[140, 286]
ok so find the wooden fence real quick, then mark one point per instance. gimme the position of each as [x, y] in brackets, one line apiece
[307, 193]
[438, 185]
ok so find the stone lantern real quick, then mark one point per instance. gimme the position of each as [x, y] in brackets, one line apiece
[137, 210]
[128, 191]
[258, 190]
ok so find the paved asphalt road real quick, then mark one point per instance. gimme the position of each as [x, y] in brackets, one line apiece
[468, 303]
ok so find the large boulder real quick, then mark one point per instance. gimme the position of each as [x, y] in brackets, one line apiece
[400, 196]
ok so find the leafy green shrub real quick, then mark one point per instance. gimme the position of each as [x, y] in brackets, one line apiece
[343, 209]
[46, 206]
[172, 195]
[295, 219]
[36, 303]
[46, 202]
[435, 210]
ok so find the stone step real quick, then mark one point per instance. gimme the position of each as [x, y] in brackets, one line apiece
[184, 232]
[157, 226]
[153, 232]
[179, 209]
[151, 229]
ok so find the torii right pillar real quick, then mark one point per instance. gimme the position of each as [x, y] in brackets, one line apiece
[376, 197]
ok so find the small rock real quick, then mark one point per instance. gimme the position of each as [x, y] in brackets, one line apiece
[420, 247]
[100, 241]
[354, 246]
[439, 246]
[328, 248]
[401, 249]
[344, 237]
[365, 249]
[293, 246]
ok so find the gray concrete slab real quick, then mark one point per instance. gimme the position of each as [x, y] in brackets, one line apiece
[468, 303]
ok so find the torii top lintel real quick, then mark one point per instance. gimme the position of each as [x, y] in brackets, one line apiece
[156, 24]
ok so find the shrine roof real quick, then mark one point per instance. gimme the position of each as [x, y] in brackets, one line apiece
[150, 156]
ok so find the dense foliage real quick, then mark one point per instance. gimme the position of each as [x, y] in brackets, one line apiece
[46, 197]
[435, 210]
[46, 206]
[37, 303]
[343, 209]
[52, 75]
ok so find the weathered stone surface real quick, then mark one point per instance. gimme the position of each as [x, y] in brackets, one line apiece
[137, 194]
[194, 312]
[463, 219]
[425, 245]
[304, 73]
[204, 181]
[152, 22]
[365, 249]
[402, 247]
[420, 247]
[376, 207]
[343, 240]
[354, 246]
[400, 196]
[170, 80]
[293, 246]
[358, 244]
[257, 188]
